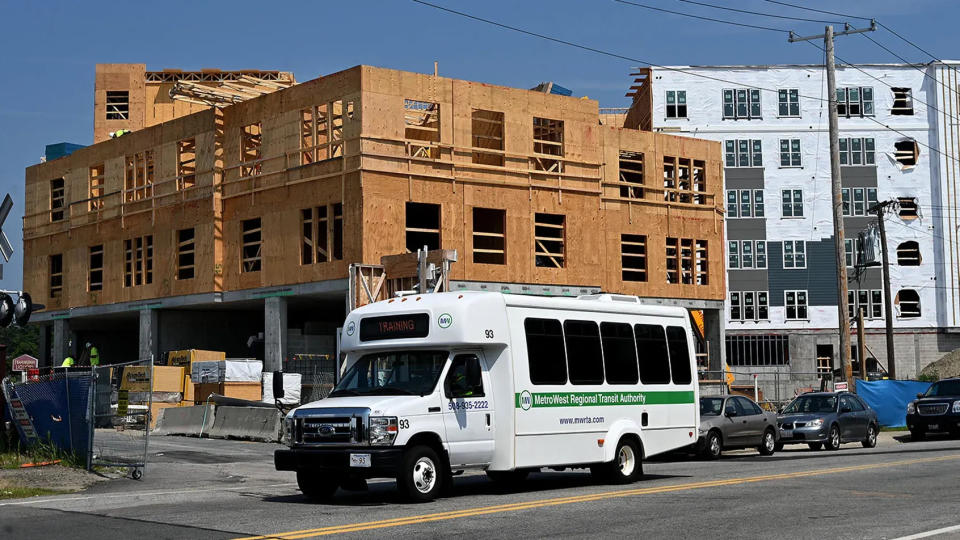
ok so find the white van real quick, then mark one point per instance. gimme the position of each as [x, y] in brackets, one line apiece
[438, 383]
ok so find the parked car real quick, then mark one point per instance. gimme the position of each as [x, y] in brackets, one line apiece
[828, 419]
[729, 422]
[936, 410]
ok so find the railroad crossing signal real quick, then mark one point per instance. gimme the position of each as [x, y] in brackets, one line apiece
[6, 249]
[11, 311]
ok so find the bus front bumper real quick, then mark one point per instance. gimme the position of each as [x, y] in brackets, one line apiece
[383, 462]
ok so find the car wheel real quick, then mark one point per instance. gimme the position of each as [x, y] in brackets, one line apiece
[768, 445]
[315, 486]
[713, 447]
[420, 477]
[627, 464]
[917, 435]
[871, 440]
[778, 447]
[833, 438]
[815, 445]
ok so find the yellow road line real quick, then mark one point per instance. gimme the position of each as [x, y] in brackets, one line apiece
[542, 503]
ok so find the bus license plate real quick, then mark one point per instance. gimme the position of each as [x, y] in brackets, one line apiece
[360, 460]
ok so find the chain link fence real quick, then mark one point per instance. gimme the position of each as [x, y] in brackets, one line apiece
[318, 375]
[123, 414]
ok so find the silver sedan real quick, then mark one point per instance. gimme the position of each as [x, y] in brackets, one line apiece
[728, 422]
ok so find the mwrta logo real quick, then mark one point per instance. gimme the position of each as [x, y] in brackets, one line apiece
[526, 400]
[445, 320]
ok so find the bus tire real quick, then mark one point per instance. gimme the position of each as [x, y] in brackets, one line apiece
[627, 464]
[315, 487]
[421, 475]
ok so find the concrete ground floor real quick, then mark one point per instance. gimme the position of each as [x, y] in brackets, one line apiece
[273, 324]
[786, 361]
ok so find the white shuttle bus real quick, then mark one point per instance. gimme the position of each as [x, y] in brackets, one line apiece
[438, 383]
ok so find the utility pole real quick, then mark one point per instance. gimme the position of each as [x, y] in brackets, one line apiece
[843, 322]
[861, 345]
[879, 209]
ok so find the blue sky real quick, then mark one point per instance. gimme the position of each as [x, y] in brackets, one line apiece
[49, 50]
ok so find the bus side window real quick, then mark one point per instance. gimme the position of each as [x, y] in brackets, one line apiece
[545, 351]
[584, 356]
[619, 353]
[652, 351]
[679, 355]
[464, 378]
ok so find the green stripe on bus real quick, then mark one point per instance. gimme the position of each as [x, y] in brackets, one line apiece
[526, 400]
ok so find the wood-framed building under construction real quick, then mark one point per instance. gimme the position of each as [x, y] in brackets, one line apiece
[243, 219]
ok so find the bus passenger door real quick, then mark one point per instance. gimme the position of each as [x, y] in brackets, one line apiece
[468, 411]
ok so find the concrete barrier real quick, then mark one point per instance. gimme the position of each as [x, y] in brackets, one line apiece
[252, 423]
[193, 421]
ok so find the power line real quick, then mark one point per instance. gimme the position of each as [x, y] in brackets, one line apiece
[818, 10]
[761, 14]
[912, 65]
[651, 64]
[888, 29]
[711, 19]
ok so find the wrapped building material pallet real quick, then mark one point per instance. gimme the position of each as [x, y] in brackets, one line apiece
[291, 388]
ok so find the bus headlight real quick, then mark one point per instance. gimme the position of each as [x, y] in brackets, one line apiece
[911, 408]
[383, 430]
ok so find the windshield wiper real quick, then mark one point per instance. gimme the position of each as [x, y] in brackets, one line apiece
[392, 391]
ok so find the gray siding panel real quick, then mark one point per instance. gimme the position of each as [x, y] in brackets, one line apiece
[744, 177]
[746, 229]
[864, 176]
[819, 278]
[748, 280]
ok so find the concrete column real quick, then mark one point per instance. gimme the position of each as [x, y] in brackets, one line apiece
[274, 332]
[149, 335]
[713, 331]
[62, 341]
[44, 346]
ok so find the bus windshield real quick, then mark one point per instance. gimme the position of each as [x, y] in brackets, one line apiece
[393, 373]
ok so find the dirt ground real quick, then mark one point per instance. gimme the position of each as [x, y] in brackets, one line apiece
[50, 477]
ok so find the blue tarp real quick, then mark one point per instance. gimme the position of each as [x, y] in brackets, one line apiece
[890, 398]
[58, 409]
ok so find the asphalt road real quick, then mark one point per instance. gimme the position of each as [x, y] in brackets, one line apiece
[227, 489]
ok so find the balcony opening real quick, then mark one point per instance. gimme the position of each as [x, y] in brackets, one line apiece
[908, 209]
[906, 153]
[908, 254]
[423, 226]
[902, 101]
[908, 303]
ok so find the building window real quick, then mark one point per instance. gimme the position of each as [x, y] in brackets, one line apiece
[487, 137]
[56, 276]
[57, 199]
[547, 142]
[902, 101]
[321, 131]
[760, 247]
[422, 121]
[676, 103]
[186, 250]
[858, 201]
[754, 350]
[314, 235]
[138, 261]
[138, 180]
[186, 164]
[745, 203]
[95, 276]
[251, 140]
[743, 153]
[338, 231]
[870, 300]
[853, 251]
[741, 103]
[687, 261]
[683, 180]
[489, 236]
[788, 101]
[733, 254]
[702, 261]
[857, 151]
[907, 208]
[423, 226]
[251, 247]
[794, 254]
[749, 306]
[908, 254]
[631, 174]
[796, 305]
[549, 234]
[118, 104]
[747, 254]
[908, 303]
[906, 152]
[792, 203]
[633, 257]
[790, 153]
[855, 101]
[95, 181]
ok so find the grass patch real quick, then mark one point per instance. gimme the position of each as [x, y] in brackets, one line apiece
[21, 492]
[902, 428]
[40, 452]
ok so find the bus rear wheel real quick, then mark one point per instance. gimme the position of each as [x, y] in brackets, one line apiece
[626, 467]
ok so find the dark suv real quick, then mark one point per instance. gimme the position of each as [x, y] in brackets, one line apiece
[936, 410]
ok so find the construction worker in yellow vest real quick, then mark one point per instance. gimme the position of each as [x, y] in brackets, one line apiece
[94, 356]
[67, 362]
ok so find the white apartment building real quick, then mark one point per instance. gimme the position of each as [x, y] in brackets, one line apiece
[782, 286]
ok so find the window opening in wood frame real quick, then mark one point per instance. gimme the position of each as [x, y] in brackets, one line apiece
[631, 174]
[423, 224]
[487, 137]
[422, 123]
[251, 140]
[489, 236]
[138, 180]
[902, 101]
[251, 248]
[56, 275]
[96, 187]
[186, 163]
[138, 261]
[549, 238]
[118, 104]
[58, 199]
[633, 257]
[548, 144]
[95, 275]
[186, 253]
